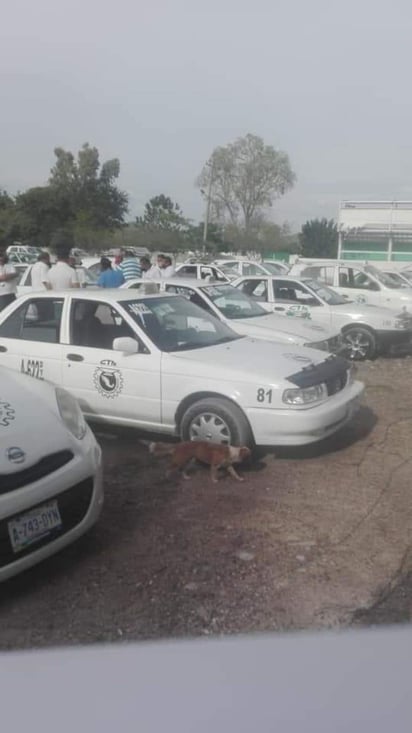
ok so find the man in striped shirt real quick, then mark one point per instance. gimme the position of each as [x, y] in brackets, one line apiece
[130, 266]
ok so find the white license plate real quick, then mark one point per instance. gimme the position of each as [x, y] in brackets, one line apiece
[34, 525]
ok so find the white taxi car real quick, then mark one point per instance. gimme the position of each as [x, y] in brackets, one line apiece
[358, 283]
[161, 363]
[366, 330]
[246, 316]
[50, 471]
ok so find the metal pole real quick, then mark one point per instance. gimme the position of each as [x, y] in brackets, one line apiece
[207, 214]
[340, 246]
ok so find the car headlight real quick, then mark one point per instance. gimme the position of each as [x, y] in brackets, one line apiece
[71, 413]
[305, 396]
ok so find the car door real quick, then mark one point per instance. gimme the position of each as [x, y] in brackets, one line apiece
[30, 338]
[24, 283]
[293, 299]
[356, 285]
[110, 385]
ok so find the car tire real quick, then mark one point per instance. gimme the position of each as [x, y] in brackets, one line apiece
[216, 420]
[359, 343]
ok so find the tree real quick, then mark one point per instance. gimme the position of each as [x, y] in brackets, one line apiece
[95, 200]
[8, 223]
[162, 213]
[42, 210]
[319, 238]
[244, 178]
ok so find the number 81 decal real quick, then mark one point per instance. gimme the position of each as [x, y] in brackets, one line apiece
[264, 395]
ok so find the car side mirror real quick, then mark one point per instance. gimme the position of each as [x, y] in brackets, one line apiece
[127, 345]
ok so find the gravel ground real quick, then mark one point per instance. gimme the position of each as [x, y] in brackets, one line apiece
[315, 537]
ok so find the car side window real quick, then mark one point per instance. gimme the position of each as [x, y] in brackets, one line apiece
[256, 289]
[95, 325]
[251, 269]
[38, 319]
[217, 275]
[289, 291]
[187, 271]
[349, 277]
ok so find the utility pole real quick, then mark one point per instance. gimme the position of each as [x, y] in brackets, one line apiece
[208, 203]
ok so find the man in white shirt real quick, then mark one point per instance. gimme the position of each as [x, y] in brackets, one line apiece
[40, 272]
[167, 269]
[8, 281]
[62, 276]
[149, 271]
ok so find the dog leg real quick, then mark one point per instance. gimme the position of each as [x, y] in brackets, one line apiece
[233, 473]
[213, 473]
[189, 464]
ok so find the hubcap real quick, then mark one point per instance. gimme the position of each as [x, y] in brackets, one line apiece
[209, 427]
[358, 344]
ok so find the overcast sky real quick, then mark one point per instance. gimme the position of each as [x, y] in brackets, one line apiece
[160, 83]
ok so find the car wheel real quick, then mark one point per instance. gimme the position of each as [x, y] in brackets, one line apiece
[359, 343]
[216, 420]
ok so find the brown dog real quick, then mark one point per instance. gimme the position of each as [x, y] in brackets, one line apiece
[216, 455]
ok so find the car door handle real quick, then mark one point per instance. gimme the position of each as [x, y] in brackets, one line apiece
[279, 308]
[75, 357]
[3, 348]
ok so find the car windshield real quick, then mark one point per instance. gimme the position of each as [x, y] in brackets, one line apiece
[383, 277]
[331, 297]
[401, 279]
[232, 303]
[173, 323]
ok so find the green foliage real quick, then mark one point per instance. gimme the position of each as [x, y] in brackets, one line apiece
[162, 225]
[91, 189]
[319, 238]
[8, 223]
[244, 178]
[40, 211]
[162, 213]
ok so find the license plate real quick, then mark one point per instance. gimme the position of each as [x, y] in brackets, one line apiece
[34, 525]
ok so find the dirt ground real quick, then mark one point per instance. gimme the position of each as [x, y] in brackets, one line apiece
[315, 537]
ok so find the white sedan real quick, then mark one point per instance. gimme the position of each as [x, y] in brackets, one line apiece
[366, 330]
[162, 364]
[246, 316]
[50, 471]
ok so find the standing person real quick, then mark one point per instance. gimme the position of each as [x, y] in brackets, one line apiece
[149, 271]
[40, 272]
[130, 267]
[118, 259]
[166, 266]
[8, 281]
[109, 278]
[61, 275]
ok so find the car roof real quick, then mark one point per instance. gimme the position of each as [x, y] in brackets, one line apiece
[273, 276]
[193, 282]
[114, 294]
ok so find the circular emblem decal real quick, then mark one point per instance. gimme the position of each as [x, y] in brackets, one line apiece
[15, 454]
[7, 414]
[108, 381]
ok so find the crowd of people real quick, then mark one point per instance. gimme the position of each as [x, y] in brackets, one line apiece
[63, 275]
